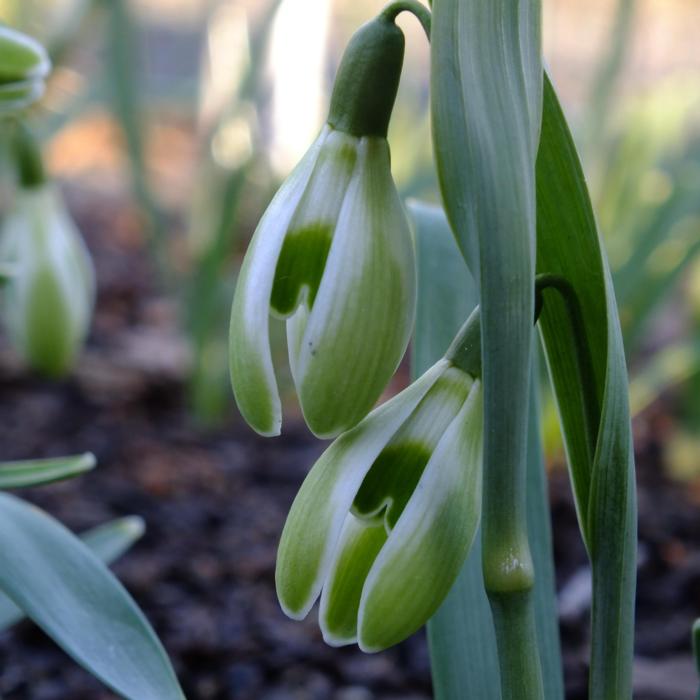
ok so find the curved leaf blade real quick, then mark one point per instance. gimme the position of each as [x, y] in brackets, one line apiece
[55, 579]
[108, 542]
[601, 458]
[33, 472]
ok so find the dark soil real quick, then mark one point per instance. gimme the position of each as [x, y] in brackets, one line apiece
[215, 502]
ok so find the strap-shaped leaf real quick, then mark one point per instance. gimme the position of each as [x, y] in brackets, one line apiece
[595, 412]
[32, 472]
[55, 579]
[107, 542]
[462, 642]
[486, 82]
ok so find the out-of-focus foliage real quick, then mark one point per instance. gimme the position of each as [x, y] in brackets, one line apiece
[641, 149]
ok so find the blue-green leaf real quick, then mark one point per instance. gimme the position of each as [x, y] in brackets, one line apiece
[594, 408]
[58, 583]
[108, 542]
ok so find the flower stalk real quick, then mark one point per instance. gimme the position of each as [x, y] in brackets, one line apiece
[417, 9]
[27, 155]
[486, 85]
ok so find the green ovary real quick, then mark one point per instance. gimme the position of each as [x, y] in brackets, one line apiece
[300, 264]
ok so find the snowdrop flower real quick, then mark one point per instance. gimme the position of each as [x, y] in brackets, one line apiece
[48, 298]
[384, 521]
[333, 255]
[24, 65]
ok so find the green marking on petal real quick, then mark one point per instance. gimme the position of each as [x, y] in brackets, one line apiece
[395, 473]
[347, 155]
[300, 265]
[390, 482]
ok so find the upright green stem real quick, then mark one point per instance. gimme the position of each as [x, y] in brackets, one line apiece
[587, 381]
[509, 579]
[507, 562]
[486, 85]
[514, 621]
[27, 156]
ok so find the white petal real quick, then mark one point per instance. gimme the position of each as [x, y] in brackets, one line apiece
[252, 372]
[316, 518]
[362, 317]
[426, 549]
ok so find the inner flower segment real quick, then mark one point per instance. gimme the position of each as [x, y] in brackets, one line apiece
[395, 473]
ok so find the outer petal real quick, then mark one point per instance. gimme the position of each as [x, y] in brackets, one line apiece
[360, 542]
[252, 373]
[315, 521]
[362, 318]
[425, 551]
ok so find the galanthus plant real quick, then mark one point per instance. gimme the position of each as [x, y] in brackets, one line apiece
[58, 580]
[49, 296]
[431, 508]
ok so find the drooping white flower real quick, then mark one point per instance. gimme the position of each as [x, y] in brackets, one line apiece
[48, 299]
[333, 254]
[384, 521]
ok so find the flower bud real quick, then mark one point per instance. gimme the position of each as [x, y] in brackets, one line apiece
[24, 66]
[384, 521]
[48, 299]
[333, 254]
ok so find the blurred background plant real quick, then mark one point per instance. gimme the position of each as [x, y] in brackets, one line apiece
[48, 574]
[203, 105]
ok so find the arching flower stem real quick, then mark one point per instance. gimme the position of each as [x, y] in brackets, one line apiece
[417, 9]
[587, 382]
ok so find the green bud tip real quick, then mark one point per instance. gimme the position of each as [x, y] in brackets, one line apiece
[368, 79]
